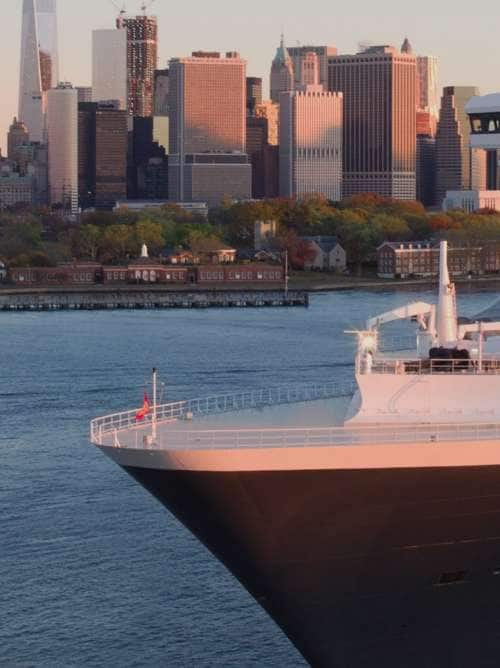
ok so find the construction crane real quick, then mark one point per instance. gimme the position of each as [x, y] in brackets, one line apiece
[145, 5]
[121, 12]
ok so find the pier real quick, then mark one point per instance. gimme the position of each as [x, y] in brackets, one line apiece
[99, 300]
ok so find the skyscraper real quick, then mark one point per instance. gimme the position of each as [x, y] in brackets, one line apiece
[299, 53]
[379, 87]
[427, 86]
[458, 167]
[62, 123]
[102, 153]
[142, 57]
[39, 63]
[109, 66]
[254, 94]
[311, 143]
[282, 76]
[208, 158]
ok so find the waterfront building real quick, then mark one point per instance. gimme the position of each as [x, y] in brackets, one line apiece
[299, 53]
[102, 154]
[310, 147]
[324, 253]
[282, 75]
[142, 58]
[109, 66]
[458, 166]
[254, 94]
[207, 101]
[39, 63]
[379, 87]
[17, 136]
[62, 117]
[421, 259]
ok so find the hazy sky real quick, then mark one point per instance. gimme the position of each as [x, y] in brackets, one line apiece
[467, 44]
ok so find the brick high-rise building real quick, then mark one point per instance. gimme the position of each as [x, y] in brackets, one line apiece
[379, 87]
[299, 53]
[311, 143]
[458, 167]
[142, 57]
[207, 103]
[102, 154]
[282, 74]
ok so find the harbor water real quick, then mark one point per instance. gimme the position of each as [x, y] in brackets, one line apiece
[93, 571]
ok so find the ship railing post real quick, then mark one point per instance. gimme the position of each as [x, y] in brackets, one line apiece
[153, 421]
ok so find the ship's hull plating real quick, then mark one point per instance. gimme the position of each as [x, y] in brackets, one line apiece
[349, 562]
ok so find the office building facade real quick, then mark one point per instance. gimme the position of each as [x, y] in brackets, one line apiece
[207, 104]
[109, 66]
[254, 94]
[458, 167]
[62, 124]
[102, 154]
[310, 147]
[379, 90]
[323, 53]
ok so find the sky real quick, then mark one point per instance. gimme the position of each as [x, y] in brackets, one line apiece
[466, 43]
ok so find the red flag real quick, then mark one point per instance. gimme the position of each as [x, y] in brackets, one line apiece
[142, 412]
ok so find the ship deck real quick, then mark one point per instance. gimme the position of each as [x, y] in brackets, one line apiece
[309, 416]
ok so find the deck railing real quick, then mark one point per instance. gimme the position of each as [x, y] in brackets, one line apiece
[213, 439]
[219, 404]
[490, 365]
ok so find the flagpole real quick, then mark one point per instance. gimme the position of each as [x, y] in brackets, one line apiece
[155, 373]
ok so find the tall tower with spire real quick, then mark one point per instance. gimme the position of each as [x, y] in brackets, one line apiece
[39, 63]
[282, 74]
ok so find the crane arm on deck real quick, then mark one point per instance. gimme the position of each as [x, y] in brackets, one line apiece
[403, 313]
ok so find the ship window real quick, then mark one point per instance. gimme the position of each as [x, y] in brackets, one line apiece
[451, 578]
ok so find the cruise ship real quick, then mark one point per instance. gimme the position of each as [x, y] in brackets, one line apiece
[371, 542]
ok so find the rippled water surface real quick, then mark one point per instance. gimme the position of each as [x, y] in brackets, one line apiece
[93, 571]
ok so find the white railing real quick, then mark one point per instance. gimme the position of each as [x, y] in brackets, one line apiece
[307, 437]
[224, 403]
[490, 365]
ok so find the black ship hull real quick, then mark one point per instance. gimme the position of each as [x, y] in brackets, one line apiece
[393, 568]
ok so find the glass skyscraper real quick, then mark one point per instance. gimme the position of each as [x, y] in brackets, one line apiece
[39, 63]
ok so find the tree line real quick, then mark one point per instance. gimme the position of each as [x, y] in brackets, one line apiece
[30, 236]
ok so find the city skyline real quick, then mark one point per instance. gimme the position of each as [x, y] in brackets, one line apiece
[180, 33]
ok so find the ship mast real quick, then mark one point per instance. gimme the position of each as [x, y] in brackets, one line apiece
[447, 306]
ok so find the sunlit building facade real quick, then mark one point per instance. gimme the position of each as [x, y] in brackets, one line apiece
[282, 74]
[311, 143]
[142, 59]
[207, 102]
[39, 70]
[379, 87]
[299, 53]
[62, 124]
